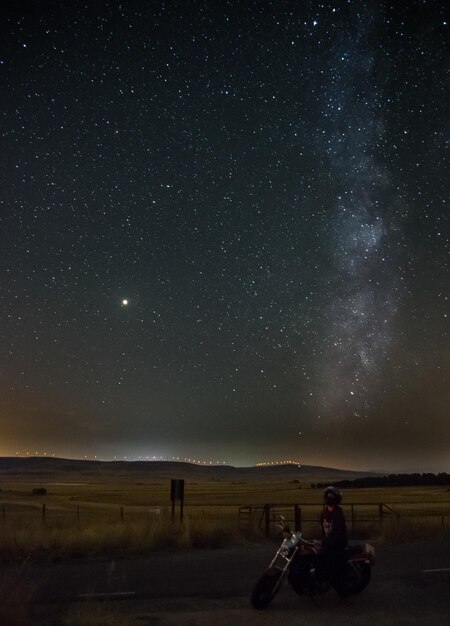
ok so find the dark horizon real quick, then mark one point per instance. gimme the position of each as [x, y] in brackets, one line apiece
[210, 466]
[217, 464]
[224, 231]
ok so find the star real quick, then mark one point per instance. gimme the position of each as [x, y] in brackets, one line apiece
[284, 247]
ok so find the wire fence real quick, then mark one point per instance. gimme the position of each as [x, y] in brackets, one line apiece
[360, 516]
[304, 517]
[24, 514]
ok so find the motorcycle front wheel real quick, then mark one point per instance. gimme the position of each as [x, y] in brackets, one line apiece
[266, 588]
[357, 577]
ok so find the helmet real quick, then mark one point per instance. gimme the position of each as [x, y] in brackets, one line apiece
[331, 495]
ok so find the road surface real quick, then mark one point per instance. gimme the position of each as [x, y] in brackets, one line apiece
[410, 585]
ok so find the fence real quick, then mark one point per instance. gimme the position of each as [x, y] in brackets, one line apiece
[48, 514]
[359, 515]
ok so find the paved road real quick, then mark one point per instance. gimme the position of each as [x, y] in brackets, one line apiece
[410, 585]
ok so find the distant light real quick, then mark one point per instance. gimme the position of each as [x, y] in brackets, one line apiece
[124, 302]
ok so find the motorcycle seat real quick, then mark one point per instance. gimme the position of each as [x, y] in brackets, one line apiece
[354, 549]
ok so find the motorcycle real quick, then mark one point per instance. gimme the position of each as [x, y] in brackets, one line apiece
[298, 559]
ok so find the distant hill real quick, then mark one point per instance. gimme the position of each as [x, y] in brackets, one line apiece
[40, 467]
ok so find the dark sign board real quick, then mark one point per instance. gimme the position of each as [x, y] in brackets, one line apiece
[177, 490]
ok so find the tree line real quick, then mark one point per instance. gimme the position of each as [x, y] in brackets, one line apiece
[391, 480]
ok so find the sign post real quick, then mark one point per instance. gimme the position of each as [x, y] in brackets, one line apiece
[177, 495]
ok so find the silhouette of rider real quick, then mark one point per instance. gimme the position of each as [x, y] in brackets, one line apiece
[334, 540]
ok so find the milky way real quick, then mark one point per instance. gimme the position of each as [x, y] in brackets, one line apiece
[359, 317]
[224, 224]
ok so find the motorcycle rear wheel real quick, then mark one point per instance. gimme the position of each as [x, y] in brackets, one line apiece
[266, 588]
[357, 577]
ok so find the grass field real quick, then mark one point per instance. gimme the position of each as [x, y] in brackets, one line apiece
[105, 497]
[103, 515]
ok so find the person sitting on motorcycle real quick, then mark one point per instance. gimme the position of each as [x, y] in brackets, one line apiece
[334, 539]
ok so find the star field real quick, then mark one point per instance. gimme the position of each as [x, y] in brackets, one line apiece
[224, 224]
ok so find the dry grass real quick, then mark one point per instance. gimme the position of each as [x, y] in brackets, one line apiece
[127, 538]
[106, 495]
[84, 518]
[408, 530]
[120, 538]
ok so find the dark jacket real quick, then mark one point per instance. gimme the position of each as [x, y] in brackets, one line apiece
[334, 529]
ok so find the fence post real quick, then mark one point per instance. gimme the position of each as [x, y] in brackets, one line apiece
[297, 518]
[267, 519]
[380, 514]
[245, 516]
[43, 513]
[352, 513]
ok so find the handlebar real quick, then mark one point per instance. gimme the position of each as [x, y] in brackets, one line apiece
[286, 529]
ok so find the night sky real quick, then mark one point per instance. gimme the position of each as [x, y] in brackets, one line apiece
[225, 231]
